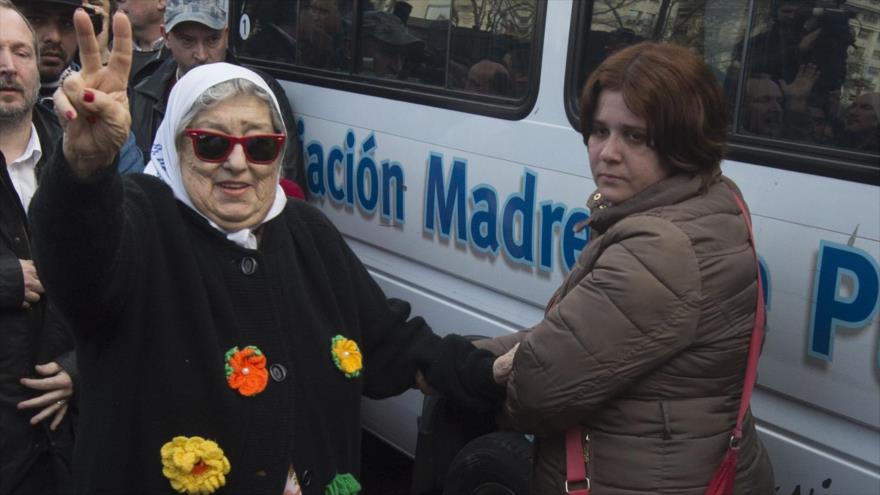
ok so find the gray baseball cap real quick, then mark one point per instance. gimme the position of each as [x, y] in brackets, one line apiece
[211, 13]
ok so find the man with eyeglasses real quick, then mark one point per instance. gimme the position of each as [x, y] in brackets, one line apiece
[196, 32]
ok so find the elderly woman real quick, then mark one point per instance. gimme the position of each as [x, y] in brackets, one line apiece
[225, 335]
[643, 347]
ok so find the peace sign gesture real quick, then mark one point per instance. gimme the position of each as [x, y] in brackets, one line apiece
[92, 105]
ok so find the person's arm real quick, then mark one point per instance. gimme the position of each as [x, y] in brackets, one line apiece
[131, 160]
[395, 345]
[76, 213]
[634, 310]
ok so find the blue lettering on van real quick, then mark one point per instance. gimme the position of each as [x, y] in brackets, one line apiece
[445, 200]
[367, 185]
[830, 310]
[519, 210]
[484, 220]
[512, 226]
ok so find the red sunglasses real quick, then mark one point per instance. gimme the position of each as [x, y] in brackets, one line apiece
[215, 147]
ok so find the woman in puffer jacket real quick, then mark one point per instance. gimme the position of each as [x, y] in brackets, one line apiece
[645, 343]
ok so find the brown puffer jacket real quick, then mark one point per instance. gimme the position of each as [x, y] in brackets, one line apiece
[645, 346]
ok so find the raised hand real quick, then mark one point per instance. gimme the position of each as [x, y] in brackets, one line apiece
[92, 105]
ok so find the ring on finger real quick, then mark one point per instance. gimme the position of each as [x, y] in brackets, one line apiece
[60, 402]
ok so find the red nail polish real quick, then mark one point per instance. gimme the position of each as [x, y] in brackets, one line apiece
[91, 119]
[88, 96]
[70, 115]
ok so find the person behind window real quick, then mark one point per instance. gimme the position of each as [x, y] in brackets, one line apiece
[861, 123]
[644, 346]
[319, 35]
[489, 78]
[821, 127]
[226, 334]
[763, 108]
[386, 43]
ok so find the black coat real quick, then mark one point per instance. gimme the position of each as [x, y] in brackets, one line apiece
[27, 336]
[156, 297]
[149, 98]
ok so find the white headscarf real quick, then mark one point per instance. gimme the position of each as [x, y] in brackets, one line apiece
[164, 161]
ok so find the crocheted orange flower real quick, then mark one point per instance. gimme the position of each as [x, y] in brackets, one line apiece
[246, 370]
[194, 465]
[347, 356]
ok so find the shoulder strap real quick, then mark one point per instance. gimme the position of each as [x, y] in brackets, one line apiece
[757, 333]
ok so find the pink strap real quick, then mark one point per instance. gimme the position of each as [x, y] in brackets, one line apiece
[575, 464]
[757, 335]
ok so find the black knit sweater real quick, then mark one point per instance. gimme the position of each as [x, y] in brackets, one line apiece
[157, 297]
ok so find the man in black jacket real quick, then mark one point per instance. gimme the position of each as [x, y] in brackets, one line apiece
[196, 33]
[34, 447]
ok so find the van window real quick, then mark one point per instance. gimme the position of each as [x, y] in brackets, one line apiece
[471, 51]
[799, 75]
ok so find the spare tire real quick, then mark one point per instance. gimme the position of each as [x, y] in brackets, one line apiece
[499, 463]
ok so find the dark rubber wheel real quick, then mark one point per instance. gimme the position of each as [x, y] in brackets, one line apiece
[498, 463]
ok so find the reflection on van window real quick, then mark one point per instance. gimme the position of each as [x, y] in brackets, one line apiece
[480, 47]
[269, 30]
[798, 70]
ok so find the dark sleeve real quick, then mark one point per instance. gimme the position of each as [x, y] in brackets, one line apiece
[11, 282]
[463, 373]
[67, 361]
[395, 346]
[131, 160]
[78, 225]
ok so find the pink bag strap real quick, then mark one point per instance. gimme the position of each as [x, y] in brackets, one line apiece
[757, 336]
[576, 480]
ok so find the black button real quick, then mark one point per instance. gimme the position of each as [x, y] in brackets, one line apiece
[17, 240]
[278, 372]
[307, 478]
[260, 474]
[248, 265]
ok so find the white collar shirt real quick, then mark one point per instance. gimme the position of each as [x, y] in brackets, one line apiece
[22, 170]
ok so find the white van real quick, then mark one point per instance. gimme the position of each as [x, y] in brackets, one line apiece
[441, 138]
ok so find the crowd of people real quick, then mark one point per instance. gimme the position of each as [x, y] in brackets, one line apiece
[196, 328]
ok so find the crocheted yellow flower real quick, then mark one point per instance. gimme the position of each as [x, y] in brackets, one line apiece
[194, 465]
[347, 356]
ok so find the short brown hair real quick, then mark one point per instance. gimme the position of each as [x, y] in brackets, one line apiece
[675, 92]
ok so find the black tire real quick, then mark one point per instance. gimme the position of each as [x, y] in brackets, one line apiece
[499, 463]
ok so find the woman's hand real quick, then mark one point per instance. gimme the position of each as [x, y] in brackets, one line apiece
[92, 105]
[57, 388]
[502, 366]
